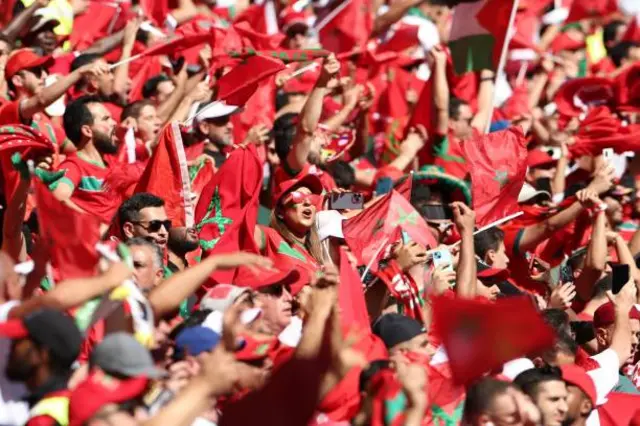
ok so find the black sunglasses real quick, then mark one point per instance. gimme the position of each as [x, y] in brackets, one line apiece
[275, 290]
[155, 225]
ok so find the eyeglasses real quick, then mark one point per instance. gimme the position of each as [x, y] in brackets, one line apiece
[155, 225]
[296, 197]
[276, 290]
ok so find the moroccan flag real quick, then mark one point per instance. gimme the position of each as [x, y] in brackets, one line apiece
[478, 33]
[150, 67]
[156, 10]
[101, 19]
[167, 176]
[481, 336]
[227, 212]
[259, 40]
[239, 84]
[70, 237]
[424, 114]
[498, 165]
[347, 26]
[261, 18]
[404, 36]
[619, 409]
[369, 233]
[601, 129]
[179, 44]
[258, 109]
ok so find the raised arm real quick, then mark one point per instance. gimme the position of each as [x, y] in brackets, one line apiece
[465, 220]
[485, 101]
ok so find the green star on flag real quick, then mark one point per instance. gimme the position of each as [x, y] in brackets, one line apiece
[501, 177]
[218, 219]
[404, 217]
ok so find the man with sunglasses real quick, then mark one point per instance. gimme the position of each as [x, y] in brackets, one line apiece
[143, 215]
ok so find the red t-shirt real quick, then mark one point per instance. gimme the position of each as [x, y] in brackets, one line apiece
[10, 114]
[87, 180]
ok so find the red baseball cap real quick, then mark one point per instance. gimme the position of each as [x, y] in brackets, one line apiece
[98, 390]
[254, 349]
[309, 180]
[24, 59]
[291, 18]
[538, 158]
[247, 277]
[605, 315]
[577, 376]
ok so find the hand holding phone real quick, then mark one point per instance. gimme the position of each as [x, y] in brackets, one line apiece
[620, 276]
[443, 257]
[346, 201]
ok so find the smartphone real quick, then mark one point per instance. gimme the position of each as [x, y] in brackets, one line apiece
[553, 276]
[406, 239]
[346, 201]
[607, 153]
[620, 276]
[566, 273]
[437, 212]
[384, 186]
[443, 257]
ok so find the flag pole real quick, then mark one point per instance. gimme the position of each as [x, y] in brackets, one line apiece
[320, 25]
[492, 224]
[374, 258]
[503, 59]
[125, 61]
[311, 66]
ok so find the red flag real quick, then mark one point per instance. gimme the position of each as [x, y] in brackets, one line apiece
[600, 129]
[495, 16]
[353, 308]
[150, 67]
[586, 9]
[69, 236]
[156, 10]
[424, 115]
[349, 28]
[239, 84]
[262, 18]
[179, 44]
[619, 409]
[101, 19]
[166, 175]
[258, 40]
[404, 37]
[633, 30]
[498, 165]
[480, 336]
[227, 212]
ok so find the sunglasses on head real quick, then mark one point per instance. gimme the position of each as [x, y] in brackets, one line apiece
[155, 225]
[296, 197]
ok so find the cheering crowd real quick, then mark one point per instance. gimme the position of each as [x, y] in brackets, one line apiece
[332, 212]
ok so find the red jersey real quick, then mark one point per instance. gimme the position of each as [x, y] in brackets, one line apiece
[10, 114]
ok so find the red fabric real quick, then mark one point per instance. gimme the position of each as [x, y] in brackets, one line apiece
[424, 113]
[258, 39]
[633, 31]
[495, 17]
[498, 165]
[162, 175]
[601, 129]
[619, 409]
[227, 212]
[353, 308]
[239, 84]
[255, 16]
[583, 9]
[101, 19]
[404, 36]
[590, 91]
[480, 336]
[156, 10]
[258, 109]
[349, 29]
[150, 67]
[179, 44]
[281, 175]
[69, 236]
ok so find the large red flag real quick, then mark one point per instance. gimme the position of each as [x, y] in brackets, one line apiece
[227, 212]
[156, 10]
[69, 236]
[424, 115]
[167, 176]
[619, 409]
[498, 165]
[350, 27]
[585, 9]
[495, 17]
[239, 84]
[179, 44]
[481, 336]
[601, 129]
[101, 19]
[353, 308]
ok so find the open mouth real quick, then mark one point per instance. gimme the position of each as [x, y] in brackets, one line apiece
[307, 213]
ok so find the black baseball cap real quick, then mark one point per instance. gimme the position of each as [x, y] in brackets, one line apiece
[394, 329]
[48, 328]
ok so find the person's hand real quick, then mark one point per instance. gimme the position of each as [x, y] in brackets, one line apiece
[528, 412]
[546, 64]
[562, 296]
[201, 92]
[438, 55]
[588, 198]
[328, 276]
[131, 30]
[96, 69]
[490, 293]
[625, 299]
[282, 78]
[413, 378]
[44, 162]
[204, 57]
[441, 279]
[352, 95]
[257, 135]
[463, 217]
[41, 3]
[612, 236]
[180, 373]
[413, 143]
[329, 70]
[233, 260]
[129, 123]
[409, 255]
[602, 179]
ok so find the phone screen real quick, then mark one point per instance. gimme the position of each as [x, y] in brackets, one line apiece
[384, 186]
[620, 277]
[346, 201]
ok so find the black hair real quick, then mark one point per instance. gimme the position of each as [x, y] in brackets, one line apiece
[284, 130]
[150, 87]
[282, 99]
[556, 318]
[129, 211]
[488, 240]
[343, 174]
[564, 345]
[481, 395]
[134, 108]
[620, 51]
[82, 60]
[454, 107]
[603, 285]
[76, 115]
[528, 381]
[610, 31]
[367, 374]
